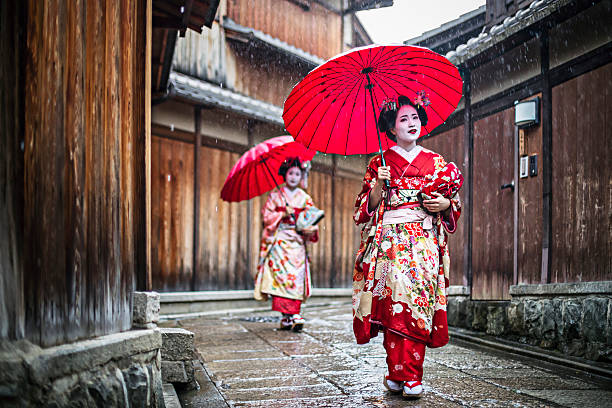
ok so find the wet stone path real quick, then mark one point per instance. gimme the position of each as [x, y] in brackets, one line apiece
[253, 364]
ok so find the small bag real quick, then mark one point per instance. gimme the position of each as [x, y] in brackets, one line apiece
[309, 218]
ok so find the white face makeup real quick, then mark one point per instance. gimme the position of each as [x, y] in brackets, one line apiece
[293, 177]
[407, 125]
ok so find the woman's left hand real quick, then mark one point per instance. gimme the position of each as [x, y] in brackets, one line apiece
[437, 204]
[310, 230]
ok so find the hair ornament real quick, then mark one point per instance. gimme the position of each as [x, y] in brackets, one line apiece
[421, 99]
[388, 104]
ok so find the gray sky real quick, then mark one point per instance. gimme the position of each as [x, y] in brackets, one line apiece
[410, 18]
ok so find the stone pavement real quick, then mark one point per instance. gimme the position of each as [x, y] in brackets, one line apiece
[252, 364]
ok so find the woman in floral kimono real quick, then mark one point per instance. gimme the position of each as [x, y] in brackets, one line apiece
[283, 270]
[399, 283]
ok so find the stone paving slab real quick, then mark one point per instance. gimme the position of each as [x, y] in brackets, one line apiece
[250, 363]
[575, 398]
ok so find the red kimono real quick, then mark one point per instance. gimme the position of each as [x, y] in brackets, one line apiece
[399, 280]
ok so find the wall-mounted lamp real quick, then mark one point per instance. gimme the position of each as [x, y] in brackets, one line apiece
[527, 113]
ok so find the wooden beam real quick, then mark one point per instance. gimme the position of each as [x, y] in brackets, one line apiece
[546, 157]
[334, 229]
[197, 117]
[186, 13]
[189, 137]
[246, 276]
[147, 114]
[468, 164]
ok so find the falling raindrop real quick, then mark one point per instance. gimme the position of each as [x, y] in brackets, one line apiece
[216, 209]
[172, 127]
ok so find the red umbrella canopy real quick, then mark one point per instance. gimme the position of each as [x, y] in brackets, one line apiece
[331, 110]
[256, 172]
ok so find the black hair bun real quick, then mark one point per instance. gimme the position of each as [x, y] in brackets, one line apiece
[388, 115]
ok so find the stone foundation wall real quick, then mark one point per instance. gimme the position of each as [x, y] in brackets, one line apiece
[573, 318]
[118, 370]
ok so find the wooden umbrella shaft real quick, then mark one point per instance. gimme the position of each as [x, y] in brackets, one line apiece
[369, 87]
[277, 186]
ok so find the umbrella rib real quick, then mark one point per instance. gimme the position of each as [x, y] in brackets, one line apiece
[412, 90]
[311, 99]
[337, 116]
[376, 101]
[304, 122]
[429, 56]
[386, 57]
[419, 61]
[348, 131]
[313, 86]
[390, 76]
[396, 68]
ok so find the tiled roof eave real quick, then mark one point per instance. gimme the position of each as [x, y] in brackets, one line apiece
[273, 42]
[522, 19]
[198, 91]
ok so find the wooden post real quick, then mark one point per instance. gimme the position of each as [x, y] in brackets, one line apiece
[546, 157]
[197, 117]
[515, 207]
[249, 261]
[334, 263]
[468, 164]
[147, 114]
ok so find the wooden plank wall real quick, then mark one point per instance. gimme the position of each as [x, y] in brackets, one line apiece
[230, 233]
[12, 84]
[530, 219]
[450, 145]
[288, 22]
[581, 187]
[492, 240]
[84, 206]
[278, 76]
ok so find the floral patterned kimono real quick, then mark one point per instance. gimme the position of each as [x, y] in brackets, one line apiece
[283, 270]
[399, 280]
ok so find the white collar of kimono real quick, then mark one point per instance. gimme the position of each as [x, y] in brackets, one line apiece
[409, 156]
[290, 193]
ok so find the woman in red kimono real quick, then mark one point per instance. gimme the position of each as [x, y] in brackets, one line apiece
[283, 271]
[399, 283]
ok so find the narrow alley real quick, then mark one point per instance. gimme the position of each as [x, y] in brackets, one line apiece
[248, 362]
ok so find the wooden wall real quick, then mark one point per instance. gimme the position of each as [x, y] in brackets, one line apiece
[288, 22]
[450, 145]
[530, 220]
[12, 110]
[230, 233]
[581, 187]
[81, 233]
[492, 239]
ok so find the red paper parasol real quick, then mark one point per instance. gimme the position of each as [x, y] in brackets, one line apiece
[256, 172]
[335, 107]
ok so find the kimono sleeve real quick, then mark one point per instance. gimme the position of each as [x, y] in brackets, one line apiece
[450, 218]
[362, 214]
[271, 215]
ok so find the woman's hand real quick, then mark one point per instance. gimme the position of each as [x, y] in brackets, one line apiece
[310, 230]
[289, 211]
[437, 204]
[384, 173]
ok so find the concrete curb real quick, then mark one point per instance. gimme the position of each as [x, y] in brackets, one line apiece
[529, 351]
[185, 305]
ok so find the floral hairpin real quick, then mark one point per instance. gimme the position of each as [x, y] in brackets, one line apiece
[389, 104]
[421, 99]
